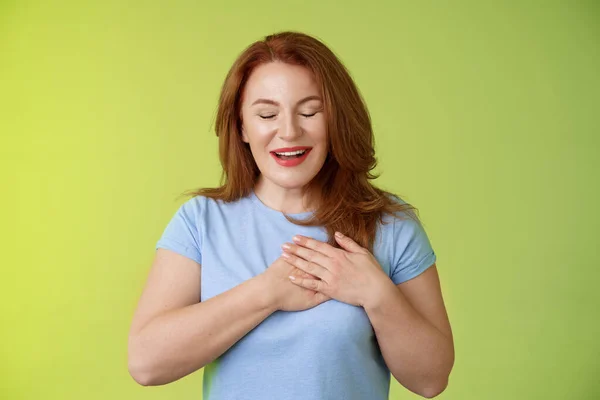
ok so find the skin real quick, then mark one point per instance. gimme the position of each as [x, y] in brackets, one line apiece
[174, 334]
[285, 119]
[409, 319]
[282, 107]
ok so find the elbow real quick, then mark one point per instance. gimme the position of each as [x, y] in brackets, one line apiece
[440, 384]
[139, 377]
[434, 391]
[139, 372]
[431, 394]
[138, 369]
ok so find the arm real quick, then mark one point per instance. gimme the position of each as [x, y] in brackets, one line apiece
[414, 333]
[173, 335]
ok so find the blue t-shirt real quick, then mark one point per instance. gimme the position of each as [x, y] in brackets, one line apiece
[327, 352]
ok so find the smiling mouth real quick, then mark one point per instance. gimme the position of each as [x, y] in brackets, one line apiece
[289, 155]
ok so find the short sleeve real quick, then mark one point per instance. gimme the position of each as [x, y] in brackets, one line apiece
[413, 253]
[182, 234]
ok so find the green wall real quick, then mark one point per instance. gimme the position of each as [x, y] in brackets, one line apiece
[486, 119]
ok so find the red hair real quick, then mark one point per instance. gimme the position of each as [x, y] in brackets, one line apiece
[348, 201]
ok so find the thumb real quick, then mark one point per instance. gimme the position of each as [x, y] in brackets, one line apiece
[347, 243]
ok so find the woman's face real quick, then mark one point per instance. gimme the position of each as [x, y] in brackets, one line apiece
[284, 123]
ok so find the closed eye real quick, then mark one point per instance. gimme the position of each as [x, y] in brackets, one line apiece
[274, 115]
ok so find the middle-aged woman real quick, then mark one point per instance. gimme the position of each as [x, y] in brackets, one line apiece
[297, 278]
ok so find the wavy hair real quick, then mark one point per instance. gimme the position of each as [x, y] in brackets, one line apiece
[348, 201]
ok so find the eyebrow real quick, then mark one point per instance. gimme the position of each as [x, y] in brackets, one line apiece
[273, 102]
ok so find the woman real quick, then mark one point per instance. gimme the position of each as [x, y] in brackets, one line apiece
[250, 280]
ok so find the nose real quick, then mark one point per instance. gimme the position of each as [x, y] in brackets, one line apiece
[290, 128]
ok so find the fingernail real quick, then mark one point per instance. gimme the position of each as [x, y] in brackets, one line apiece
[284, 254]
[339, 234]
[286, 246]
[292, 278]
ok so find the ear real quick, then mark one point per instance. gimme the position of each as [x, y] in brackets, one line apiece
[244, 136]
[241, 125]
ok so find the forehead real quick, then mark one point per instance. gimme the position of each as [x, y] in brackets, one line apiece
[277, 80]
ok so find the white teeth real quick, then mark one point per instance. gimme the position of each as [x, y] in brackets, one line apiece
[291, 153]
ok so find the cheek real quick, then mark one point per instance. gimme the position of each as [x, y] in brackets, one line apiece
[257, 134]
[318, 130]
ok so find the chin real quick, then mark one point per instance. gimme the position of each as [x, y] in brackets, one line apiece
[291, 178]
[290, 183]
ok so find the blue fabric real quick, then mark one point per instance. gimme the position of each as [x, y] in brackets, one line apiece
[327, 352]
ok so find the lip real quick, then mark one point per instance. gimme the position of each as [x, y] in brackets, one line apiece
[284, 149]
[293, 161]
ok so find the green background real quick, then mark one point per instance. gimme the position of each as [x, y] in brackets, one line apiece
[486, 119]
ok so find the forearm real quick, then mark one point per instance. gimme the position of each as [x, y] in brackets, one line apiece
[418, 355]
[182, 341]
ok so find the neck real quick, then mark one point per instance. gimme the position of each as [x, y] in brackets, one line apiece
[288, 200]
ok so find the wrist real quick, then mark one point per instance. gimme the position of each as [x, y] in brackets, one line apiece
[265, 294]
[382, 290]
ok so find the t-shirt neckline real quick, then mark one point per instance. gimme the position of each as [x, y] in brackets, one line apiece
[264, 208]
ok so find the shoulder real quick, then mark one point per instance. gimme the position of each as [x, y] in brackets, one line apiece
[193, 206]
[207, 207]
[200, 202]
[402, 228]
[405, 215]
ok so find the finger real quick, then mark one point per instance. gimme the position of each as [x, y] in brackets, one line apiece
[299, 273]
[315, 245]
[306, 275]
[347, 243]
[312, 284]
[311, 268]
[306, 254]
